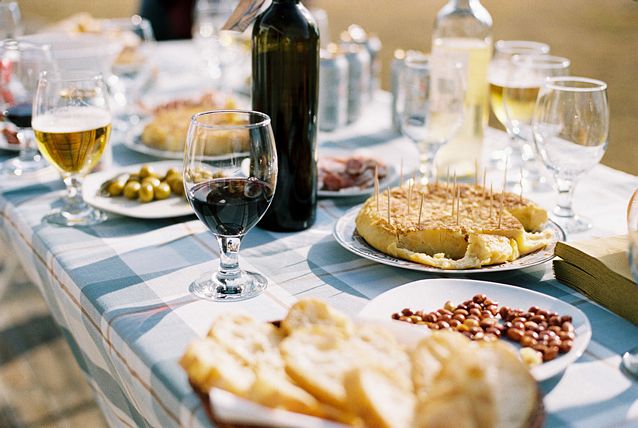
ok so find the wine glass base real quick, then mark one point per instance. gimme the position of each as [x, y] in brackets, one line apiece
[19, 167]
[574, 224]
[87, 217]
[247, 286]
[630, 361]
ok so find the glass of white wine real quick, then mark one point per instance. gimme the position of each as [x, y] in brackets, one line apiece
[430, 105]
[72, 125]
[498, 70]
[570, 127]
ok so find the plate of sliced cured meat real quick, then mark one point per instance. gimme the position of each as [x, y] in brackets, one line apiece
[352, 176]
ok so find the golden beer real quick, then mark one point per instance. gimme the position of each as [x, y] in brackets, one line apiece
[73, 138]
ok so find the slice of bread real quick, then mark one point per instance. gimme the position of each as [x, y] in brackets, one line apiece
[209, 365]
[379, 397]
[309, 312]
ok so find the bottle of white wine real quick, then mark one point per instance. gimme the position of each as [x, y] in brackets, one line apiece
[463, 32]
[285, 60]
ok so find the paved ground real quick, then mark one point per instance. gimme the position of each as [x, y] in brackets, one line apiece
[40, 383]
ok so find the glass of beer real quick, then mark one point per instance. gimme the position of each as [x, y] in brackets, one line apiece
[72, 124]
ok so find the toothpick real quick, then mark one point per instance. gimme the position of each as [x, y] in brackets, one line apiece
[521, 184]
[500, 211]
[476, 172]
[421, 209]
[376, 185]
[458, 205]
[447, 179]
[401, 173]
[436, 180]
[491, 199]
[505, 172]
[484, 183]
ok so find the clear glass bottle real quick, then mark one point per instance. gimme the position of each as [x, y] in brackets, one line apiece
[463, 31]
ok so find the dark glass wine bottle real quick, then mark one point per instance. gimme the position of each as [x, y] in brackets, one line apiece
[285, 60]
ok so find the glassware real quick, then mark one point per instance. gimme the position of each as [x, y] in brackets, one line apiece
[20, 65]
[10, 20]
[463, 33]
[133, 67]
[72, 125]
[525, 76]
[430, 106]
[570, 127]
[230, 195]
[630, 358]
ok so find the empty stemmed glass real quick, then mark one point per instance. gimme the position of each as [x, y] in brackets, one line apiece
[430, 106]
[72, 125]
[630, 358]
[230, 193]
[133, 67]
[20, 66]
[570, 126]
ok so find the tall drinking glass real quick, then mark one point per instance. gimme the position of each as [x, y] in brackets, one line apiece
[570, 126]
[430, 106]
[525, 76]
[630, 358]
[230, 193]
[498, 69]
[20, 66]
[133, 67]
[72, 125]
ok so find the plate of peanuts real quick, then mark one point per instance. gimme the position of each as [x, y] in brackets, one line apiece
[548, 333]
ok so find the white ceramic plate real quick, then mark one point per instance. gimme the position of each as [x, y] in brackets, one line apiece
[345, 232]
[174, 206]
[431, 294]
[389, 179]
[133, 141]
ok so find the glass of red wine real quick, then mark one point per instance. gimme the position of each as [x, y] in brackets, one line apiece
[21, 64]
[230, 175]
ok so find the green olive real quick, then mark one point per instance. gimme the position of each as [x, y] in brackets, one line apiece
[146, 192]
[146, 171]
[162, 191]
[132, 189]
[134, 177]
[154, 181]
[171, 171]
[176, 184]
[115, 188]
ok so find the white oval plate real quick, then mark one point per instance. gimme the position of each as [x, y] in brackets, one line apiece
[345, 232]
[389, 179]
[174, 206]
[431, 294]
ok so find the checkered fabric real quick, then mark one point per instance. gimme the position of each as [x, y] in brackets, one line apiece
[119, 290]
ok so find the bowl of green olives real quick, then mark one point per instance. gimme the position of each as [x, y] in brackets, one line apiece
[152, 190]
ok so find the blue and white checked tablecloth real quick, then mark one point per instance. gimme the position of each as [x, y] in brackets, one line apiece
[119, 290]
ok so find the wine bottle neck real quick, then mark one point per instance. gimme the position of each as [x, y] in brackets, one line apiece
[464, 4]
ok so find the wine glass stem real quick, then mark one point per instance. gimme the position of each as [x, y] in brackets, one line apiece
[27, 148]
[228, 261]
[427, 156]
[74, 200]
[565, 187]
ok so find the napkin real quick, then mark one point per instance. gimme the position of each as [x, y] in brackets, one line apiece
[599, 268]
